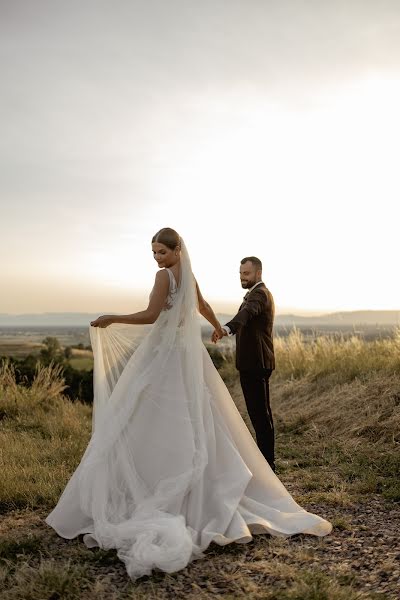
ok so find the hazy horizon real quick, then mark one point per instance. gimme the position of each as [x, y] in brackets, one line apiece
[265, 128]
[230, 309]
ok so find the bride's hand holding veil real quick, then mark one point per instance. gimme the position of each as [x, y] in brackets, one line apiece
[103, 321]
[144, 317]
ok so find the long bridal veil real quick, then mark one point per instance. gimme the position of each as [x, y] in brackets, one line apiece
[130, 384]
[170, 466]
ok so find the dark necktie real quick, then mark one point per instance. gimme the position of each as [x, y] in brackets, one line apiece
[245, 297]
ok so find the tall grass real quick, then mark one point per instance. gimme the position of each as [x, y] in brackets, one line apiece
[345, 358]
[342, 359]
[42, 437]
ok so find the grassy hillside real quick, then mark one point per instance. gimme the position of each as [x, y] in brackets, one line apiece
[337, 414]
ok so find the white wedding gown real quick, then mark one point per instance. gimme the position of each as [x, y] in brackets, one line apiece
[171, 465]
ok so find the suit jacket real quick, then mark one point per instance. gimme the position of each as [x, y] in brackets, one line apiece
[253, 328]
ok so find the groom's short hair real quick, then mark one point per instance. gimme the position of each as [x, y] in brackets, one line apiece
[254, 260]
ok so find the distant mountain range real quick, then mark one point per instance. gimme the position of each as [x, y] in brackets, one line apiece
[351, 318]
[358, 317]
[73, 319]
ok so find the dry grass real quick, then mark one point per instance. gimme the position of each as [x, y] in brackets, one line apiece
[337, 441]
[351, 432]
[344, 359]
[336, 405]
[42, 438]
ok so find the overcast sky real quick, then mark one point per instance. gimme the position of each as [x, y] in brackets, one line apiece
[252, 127]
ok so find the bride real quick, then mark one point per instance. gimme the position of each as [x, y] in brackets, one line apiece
[171, 465]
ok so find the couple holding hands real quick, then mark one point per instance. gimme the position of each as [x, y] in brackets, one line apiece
[171, 465]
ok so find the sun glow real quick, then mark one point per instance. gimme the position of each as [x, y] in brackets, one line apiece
[315, 193]
[312, 190]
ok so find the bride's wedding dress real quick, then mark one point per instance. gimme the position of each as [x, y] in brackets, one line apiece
[171, 465]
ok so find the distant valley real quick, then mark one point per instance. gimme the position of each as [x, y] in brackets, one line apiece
[351, 318]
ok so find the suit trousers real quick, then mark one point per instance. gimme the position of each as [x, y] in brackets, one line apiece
[255, 386]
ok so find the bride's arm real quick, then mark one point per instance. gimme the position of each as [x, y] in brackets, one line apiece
[207, 312]
[156, 302]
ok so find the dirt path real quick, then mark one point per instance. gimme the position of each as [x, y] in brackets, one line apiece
[365, 544]
[360, 557]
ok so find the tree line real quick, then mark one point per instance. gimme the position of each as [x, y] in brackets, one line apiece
[79, 382]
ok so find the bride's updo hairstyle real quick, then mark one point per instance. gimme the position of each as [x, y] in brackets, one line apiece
[169, 237]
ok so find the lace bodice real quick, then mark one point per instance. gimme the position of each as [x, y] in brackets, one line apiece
[173, 288]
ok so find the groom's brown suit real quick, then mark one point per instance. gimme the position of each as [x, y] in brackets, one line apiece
[255, 362]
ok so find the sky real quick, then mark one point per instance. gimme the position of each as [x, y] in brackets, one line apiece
[253, 127]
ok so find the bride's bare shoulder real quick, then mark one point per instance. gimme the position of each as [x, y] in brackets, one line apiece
[162, 279]
[162, 274]
[160, 288]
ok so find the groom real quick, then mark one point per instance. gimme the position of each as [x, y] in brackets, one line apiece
[255, 359]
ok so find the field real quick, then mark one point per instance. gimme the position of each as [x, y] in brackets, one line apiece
[336, 404]
[22, 340]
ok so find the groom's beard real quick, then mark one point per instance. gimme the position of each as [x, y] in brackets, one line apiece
[246, 285]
